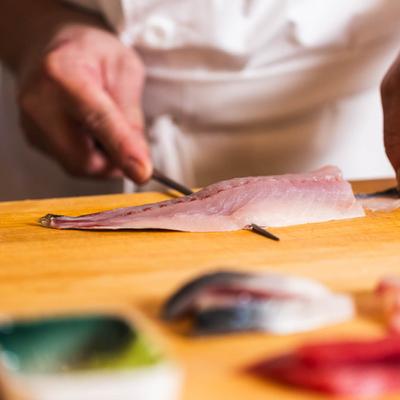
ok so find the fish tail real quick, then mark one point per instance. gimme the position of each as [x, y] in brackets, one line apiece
[48, 220]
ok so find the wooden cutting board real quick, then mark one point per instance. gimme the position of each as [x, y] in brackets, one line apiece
[45, 271]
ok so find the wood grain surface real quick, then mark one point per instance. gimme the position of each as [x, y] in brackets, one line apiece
[46, 271]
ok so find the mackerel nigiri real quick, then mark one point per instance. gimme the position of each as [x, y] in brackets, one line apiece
[231, 301]
[291, 199]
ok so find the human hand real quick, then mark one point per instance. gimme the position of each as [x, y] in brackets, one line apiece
[390, 92]
[79, 101]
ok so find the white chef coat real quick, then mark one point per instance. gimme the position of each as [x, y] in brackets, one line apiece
[241, 87]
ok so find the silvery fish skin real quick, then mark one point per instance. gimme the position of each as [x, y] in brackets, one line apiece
[385, 201]
[234, 204]
[281, 317]
[181, 303]
[230, 301]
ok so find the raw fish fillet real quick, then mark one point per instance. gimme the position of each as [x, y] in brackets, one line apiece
[228, 301]
[231, 205]
[357, 368]
[387, 200]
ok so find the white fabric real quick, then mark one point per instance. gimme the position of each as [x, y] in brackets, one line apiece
[237, 87]
[264, 86]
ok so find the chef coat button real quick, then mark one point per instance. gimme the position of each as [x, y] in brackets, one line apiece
[158, 32]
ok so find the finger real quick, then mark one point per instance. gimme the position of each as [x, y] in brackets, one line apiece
[390, 92]
[91, 104]
[125, 144]
[49, 129]
[126, 86]
[392, 147]
[73, 150]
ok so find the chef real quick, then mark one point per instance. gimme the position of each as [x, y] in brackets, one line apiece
[202, 89]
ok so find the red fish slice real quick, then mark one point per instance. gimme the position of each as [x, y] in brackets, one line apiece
[362, 368]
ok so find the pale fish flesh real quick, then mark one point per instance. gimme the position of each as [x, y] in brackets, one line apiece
[229, 301]
[269, 201]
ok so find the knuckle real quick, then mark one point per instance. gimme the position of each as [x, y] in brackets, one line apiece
[51, 64]
[89, 168]
[95, 120]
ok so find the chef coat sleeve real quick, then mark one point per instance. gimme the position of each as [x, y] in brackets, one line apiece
[110, 10]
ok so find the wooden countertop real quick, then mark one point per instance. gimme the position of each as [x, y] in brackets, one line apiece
[44, 271]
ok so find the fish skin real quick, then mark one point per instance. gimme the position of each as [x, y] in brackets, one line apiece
[213, 321]
[280, 316]
[227, 302]
[234, 204]
[194, 292]
[181, 303]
